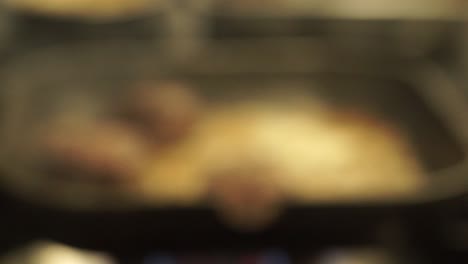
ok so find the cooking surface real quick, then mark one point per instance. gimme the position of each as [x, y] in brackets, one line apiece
[361, 69]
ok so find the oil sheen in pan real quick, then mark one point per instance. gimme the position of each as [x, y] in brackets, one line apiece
[390, 100]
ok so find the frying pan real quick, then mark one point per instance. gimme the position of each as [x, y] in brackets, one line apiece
[412, 93]
[411, 96]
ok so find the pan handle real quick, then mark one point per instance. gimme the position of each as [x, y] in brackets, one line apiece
[451, 106]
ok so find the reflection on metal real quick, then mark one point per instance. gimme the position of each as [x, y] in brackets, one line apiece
[186, 27]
